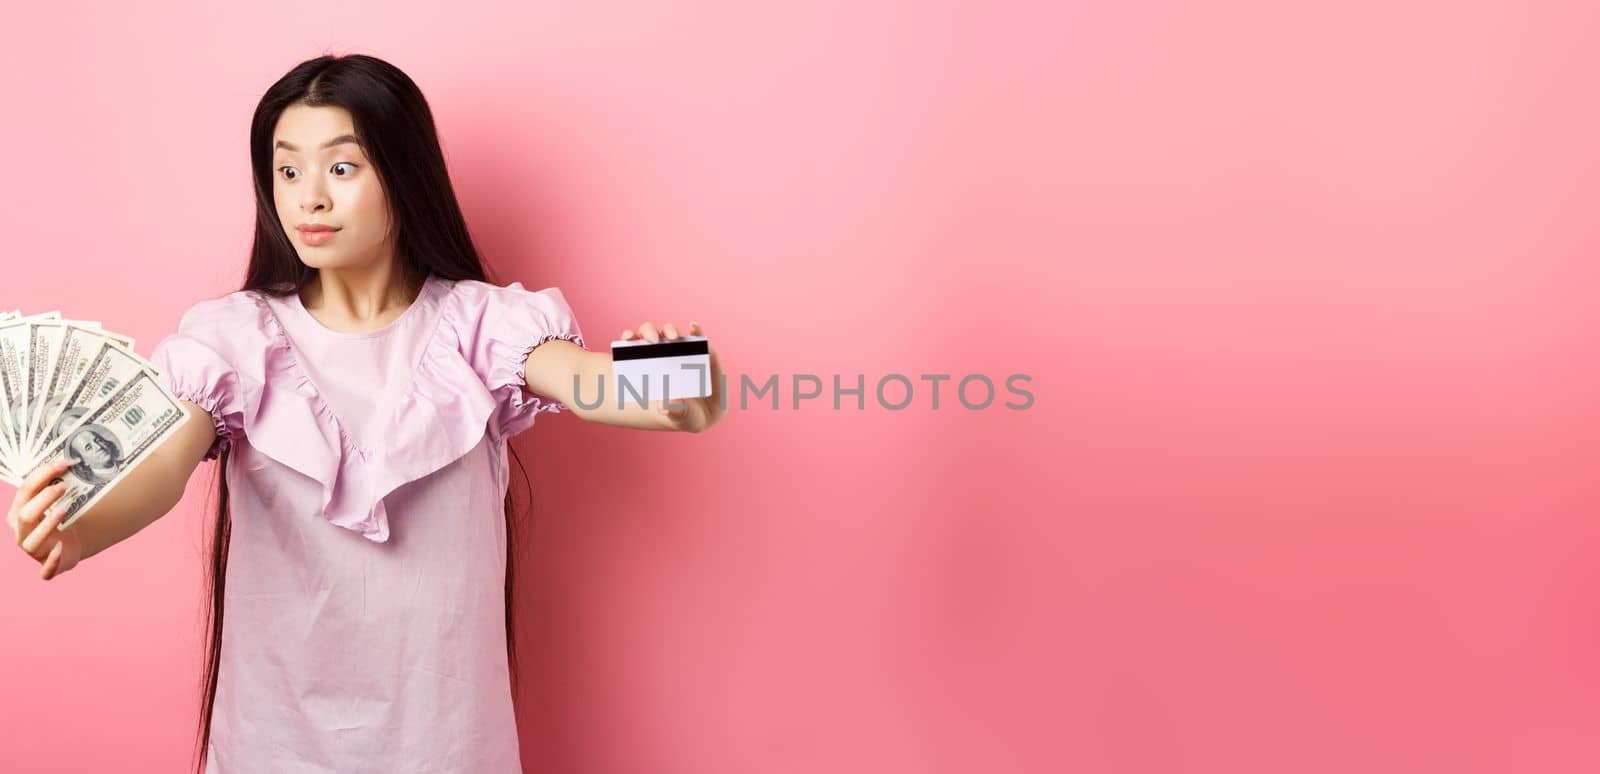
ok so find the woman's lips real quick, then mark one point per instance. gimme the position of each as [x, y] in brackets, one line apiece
[315, 238]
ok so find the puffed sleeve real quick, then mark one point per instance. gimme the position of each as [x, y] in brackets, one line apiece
[503, 324]
[195, 363]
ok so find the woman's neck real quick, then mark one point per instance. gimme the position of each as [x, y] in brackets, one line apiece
[355, 299]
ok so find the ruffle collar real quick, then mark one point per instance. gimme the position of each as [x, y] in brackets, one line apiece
[439, 417]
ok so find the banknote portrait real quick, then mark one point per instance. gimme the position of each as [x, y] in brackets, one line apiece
[95, 452]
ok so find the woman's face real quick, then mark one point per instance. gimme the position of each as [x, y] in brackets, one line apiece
[321, 175]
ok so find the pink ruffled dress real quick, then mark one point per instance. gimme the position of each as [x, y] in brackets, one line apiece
[364, 623]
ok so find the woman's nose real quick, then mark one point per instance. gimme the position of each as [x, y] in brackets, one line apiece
[314, 197]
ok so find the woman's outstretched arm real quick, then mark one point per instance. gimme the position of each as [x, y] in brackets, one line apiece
[557, 368]
[144, 494]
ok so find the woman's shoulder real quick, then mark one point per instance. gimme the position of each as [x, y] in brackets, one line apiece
[231, 306]
[480, 292]
[479, 301]
[239, 319]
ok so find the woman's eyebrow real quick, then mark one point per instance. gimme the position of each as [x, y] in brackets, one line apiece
[343, 138]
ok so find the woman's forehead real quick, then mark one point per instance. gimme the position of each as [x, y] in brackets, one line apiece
[304, 128]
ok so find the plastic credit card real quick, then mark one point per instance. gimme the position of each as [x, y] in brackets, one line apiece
[665, 370]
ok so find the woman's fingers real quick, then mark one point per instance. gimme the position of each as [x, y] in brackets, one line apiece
[33, 482]
[650, 333]
[33, 510]
[36, 542]
[35, 529]
[64, 557]
[52, 563]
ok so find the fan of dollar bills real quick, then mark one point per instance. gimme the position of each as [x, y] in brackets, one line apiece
[70, 389]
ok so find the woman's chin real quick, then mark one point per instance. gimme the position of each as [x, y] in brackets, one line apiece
[320, 260]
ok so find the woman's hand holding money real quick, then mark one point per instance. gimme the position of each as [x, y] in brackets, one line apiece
[56, 551]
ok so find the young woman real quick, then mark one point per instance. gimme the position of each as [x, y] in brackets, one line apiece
[359, 390]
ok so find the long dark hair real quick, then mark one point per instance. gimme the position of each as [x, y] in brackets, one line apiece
[430, 235]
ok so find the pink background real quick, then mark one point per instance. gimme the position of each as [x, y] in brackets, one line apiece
[1308, 296]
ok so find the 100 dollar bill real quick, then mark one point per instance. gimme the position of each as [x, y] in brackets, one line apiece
[109, 368]
[58, 353]
[111, 440]
[14, 368]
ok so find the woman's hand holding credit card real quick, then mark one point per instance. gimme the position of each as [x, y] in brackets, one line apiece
[663, 367]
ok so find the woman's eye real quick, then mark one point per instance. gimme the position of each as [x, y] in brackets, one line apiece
[284, 170]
